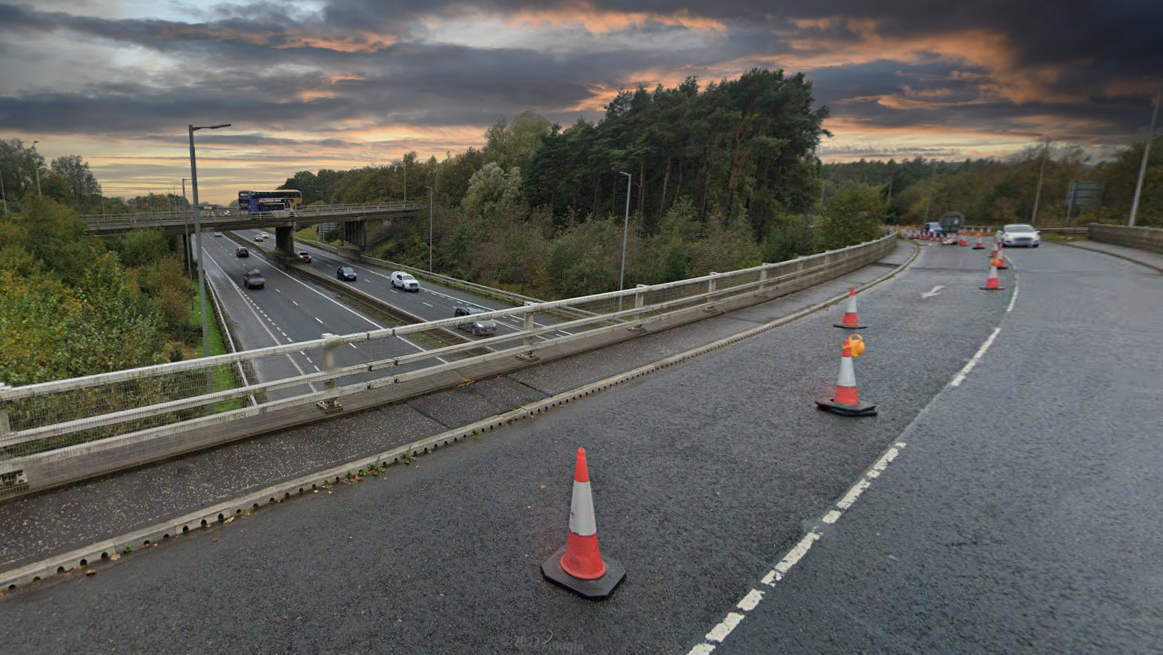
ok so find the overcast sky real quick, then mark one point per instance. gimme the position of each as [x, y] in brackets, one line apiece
[311, 84]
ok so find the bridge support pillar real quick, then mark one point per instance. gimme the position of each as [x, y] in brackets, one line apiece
[355, 233]
[285, 240]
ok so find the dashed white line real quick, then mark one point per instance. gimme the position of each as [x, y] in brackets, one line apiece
[750, 600]
[426, 304]
[721, 631]
[317, 319]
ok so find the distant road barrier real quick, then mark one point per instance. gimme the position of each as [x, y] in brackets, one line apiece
[1143, 238]
[55, 433]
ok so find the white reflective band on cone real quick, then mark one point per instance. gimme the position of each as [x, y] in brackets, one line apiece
[851, 304]
[581, 511]
[847, 373]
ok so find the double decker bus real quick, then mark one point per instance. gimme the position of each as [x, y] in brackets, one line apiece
[286, 201]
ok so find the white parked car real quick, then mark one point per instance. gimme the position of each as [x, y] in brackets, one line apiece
[402, 280]
[1020, 234]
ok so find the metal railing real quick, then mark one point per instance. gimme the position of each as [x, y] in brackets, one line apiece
[57, 432]
[211, 218]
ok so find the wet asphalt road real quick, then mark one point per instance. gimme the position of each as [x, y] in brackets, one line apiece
[1023, 515]
[704, 476]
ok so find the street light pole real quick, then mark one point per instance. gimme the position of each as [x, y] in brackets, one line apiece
[199, 255]
[36, 167]
[186, 229]
[1041, 174]
[430, 193]
[1146, 150]
[625, 231]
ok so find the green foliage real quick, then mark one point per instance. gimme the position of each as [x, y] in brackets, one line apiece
[855, 215]
[492, 190]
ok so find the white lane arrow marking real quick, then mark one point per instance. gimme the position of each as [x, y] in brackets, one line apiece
[933, 292]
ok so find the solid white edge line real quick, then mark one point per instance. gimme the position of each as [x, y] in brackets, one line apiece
[960, 377]
[1014, 298]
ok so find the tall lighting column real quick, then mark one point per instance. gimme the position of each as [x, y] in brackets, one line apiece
[198, 247]
[625, 231]
[1038, 193]
[37, 168]
[1146, 150]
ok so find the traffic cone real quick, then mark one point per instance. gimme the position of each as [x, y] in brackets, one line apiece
[846, 401]
[991, 283]
[980, 245]
[999, 260]
[578, 566]
[850, 321]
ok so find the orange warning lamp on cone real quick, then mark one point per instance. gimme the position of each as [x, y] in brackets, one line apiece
[579, 566]
[846, 401]
[850, 320]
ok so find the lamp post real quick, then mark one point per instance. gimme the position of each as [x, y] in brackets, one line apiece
[186, 228]
[1041, 174]
[625, 231]
[36, 167]
[198, 247]
[430, 193]
[1146, 150]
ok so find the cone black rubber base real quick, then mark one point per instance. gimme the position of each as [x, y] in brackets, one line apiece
[596, 589]
[993, 289]
[850, 327]
[861, 409]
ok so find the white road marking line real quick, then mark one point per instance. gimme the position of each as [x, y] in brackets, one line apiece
[426, 304]
[317, 319]
[294, 303]
[1014, 298]
[960, 377]
[853, 494]
[721, 631]
[353, 346]
[750, 600]
[701, 649]
[832, 516]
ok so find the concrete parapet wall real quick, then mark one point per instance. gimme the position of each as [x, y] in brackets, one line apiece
[1143, 238]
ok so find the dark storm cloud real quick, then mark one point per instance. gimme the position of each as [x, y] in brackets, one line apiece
[982, 66]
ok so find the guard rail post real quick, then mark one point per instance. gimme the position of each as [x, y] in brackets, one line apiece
[639, 300]
[5, 426]
[762, 279]
[528, 340]
[329, 405]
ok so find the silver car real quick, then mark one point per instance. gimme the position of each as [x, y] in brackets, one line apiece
[476, 327]
[1020, 234]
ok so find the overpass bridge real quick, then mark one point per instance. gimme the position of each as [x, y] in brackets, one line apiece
[284, 223]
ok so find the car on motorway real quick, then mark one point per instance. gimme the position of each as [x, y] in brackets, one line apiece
[253, 279]
[934, 228]
[1020, 234]
[475, 327]
[402, 280]
[259, 237]
[304, 256]
[345, 273]
[242, 252]
[217, 234]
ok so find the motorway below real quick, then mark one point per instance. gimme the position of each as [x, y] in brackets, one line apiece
[1018, 517]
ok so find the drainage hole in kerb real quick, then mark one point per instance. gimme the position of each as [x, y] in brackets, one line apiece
[165, 536]
[203, 523]
[36, 579]
[145, 543]
[185, 529]
[84, 562]
[11, 586]
[256, 504]
[221, 517]
[60, 569]
[105, 555]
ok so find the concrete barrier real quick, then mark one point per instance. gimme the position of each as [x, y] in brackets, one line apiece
[1143, 238]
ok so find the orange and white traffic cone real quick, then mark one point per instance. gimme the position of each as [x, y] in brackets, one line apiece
[846, 401]
[980, 245]
[850, 320]
[991, 283]
[578, 566]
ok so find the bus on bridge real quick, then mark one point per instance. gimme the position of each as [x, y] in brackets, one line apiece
[269, 202]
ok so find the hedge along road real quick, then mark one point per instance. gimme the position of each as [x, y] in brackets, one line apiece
[703, 475]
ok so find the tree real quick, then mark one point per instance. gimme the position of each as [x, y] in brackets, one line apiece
[77, 176]
[855, 215]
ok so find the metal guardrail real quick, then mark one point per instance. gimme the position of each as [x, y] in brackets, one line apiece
[211, 219]
[58, 432]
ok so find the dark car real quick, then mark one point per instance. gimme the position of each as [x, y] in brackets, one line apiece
[476, 327]
[253, 279]
[242, 252]
[346, 273]
[305, 257]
